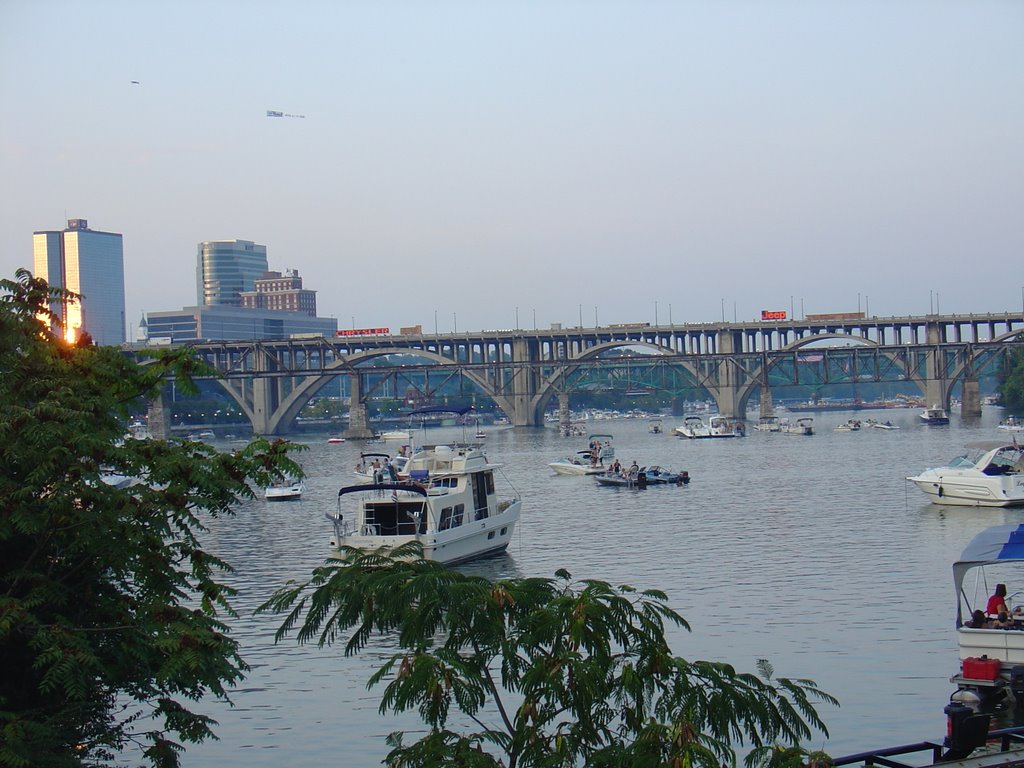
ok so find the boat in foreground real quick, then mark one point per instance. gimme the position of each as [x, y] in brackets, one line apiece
[991, 657]
[285, 491]
[989, 474]
[449, 505]
[693, 427]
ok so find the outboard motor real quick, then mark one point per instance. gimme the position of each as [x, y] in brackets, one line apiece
[684, 478]
[1017, 684]
[965, 731]
[641, 479]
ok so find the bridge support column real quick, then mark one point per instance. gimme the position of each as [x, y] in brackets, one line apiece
[564, 418]
[358, 423]
[936, 384]
[767, 407]
[158, 417]
[728, 394]
[263, 404]
[524, 386]
[970, 398]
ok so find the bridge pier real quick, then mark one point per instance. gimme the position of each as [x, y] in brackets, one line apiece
[970, 398]
[727, 394]
[158, 417]
[564, 416]
[936, 383]
[358, 423]
[524, 386]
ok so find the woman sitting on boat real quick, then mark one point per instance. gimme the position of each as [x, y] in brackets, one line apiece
[997, 603]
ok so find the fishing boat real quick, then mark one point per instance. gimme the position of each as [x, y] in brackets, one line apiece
[643, 477]
[991, 657]
[989, 474]
[449, 505]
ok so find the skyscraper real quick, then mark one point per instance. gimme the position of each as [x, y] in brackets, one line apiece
[91, 264]
[226, 268]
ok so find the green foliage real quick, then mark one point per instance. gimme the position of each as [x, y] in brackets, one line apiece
[553, 672]
[111, 611]
[1011, 381]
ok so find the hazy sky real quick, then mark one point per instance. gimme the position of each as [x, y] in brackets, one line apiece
[458, 160]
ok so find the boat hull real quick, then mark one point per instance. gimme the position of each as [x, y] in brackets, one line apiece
[980, 491]
[566, 468]
[284, 493]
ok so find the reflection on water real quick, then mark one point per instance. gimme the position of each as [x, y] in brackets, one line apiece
[812, 552]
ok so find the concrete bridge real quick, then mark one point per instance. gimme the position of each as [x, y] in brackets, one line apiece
[521, 370]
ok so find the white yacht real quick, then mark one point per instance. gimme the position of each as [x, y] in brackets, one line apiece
[934, 416]
[693, 427]
[989, 474]
[449, 504]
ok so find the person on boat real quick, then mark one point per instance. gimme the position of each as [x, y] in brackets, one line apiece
[634, 469]
[997, 603]
[1002, 621]
[978, 620]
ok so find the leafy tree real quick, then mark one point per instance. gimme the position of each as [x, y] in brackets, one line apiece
[552, 672]
[1011, 381]
[111, 610]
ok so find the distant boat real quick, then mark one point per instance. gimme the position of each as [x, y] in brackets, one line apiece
[286, 490]
[934, 416]
[335, 439]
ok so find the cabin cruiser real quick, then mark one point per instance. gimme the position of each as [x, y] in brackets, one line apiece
[802, 426]
[693, 427]
[991, 655]
[989, 474]
[934, 416]
[768, 424]
[286, 490]
[449, 505]
[583, 463]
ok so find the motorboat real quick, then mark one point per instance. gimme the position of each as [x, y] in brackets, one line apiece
[1011, 424]
[852, 425]
[396, 434]
[582, 463]
[884, 425]
[380, 467]
[449, 504]
[989, 474]
[693, 427]
[804, 425]
[989, 654]
[655, 427]
[335, 440]
[643, 477]
[768, 424]
[287, 490]
[934, 416]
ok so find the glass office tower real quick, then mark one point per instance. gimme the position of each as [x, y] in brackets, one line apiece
[91, 264]
[227, 268]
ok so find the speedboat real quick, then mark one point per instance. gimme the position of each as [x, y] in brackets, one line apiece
[802, 426]
[580, 464]
[643, 477]
[449, 505]
[286, 490]
[934, 416]
[396, 434]
[852, 425]
[693, 427]
[655, 427]
[335, 440]
[989, 655]
[768, 424]
[989, 474]
[1012, 424]
[884, 425]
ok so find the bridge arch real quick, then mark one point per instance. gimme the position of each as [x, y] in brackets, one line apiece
[300, 396]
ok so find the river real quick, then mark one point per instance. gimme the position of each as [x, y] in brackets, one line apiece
[811, 552]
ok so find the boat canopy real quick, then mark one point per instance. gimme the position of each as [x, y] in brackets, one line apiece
[1000, 544]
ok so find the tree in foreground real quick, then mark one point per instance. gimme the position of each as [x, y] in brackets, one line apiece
[548, 671]
[111, 611]
[1011, 381]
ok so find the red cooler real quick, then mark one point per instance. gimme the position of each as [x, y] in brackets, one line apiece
[981, 668]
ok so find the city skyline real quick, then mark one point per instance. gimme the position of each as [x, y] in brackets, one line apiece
[488, 165]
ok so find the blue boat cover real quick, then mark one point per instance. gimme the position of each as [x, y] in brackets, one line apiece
[999, 544]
